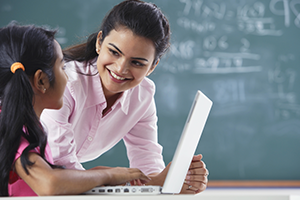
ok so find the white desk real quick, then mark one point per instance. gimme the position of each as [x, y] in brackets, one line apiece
[250, 194]
[208, 194]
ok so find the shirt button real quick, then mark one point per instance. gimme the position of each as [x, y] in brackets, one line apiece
[90, 138]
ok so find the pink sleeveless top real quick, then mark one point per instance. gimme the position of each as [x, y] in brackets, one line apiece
[16, 186]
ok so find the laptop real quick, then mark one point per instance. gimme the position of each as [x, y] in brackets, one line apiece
[182, 158]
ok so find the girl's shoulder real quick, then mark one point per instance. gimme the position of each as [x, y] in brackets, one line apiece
[23, 144]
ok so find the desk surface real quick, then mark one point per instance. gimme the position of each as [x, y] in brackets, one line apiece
[208, 194]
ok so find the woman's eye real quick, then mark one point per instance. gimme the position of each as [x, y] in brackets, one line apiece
[115, 53]
[136, 63]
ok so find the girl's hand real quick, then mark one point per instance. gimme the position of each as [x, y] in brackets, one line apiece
[45, 180]
[122, 175]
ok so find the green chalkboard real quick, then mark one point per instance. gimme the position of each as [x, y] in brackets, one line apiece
[243, 54]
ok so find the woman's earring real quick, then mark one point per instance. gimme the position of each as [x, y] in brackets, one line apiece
[97, 50]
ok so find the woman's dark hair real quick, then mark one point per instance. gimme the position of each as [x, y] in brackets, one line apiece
[34, 48]
[143, 19]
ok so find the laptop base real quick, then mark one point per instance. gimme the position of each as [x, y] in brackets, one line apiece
[123, 190]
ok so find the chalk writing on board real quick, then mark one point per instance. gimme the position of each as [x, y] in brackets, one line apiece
[230, 62]
[212, 61]
[230, 90]
[283, 80]
[287, 8]
[220, 54]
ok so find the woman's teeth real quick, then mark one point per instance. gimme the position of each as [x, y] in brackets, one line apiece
[116, 76]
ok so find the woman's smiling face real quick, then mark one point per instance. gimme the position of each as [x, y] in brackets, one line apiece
[124, 60]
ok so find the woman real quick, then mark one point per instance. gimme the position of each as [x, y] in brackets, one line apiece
[109, 97]
[32, 78]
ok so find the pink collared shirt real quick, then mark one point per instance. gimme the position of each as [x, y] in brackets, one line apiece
[78, 132]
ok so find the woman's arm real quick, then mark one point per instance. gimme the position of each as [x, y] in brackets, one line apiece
[47, 181]
[60, 133]
[143, 150]
[145, 153]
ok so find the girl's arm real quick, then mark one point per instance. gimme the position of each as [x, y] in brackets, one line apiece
[47, 181]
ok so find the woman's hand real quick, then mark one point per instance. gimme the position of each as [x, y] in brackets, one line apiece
[196, 179]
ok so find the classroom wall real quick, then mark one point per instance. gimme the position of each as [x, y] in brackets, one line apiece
[244, 55]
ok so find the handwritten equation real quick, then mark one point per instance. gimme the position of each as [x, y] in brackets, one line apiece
[221, 36]
[250, 45]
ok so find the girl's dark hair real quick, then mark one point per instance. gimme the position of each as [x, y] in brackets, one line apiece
[143, 19]
[34, 48]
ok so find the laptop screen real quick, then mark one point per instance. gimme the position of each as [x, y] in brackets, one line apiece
[187, 144]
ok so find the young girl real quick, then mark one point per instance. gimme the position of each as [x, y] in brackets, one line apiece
[109, 97]
[32, 79]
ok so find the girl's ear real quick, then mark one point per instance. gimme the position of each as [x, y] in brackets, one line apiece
[98, 42]
[40, 81]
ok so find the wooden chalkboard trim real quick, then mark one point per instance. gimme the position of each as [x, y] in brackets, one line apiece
[250, 183]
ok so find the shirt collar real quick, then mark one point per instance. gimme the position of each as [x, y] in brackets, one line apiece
[94, 93]
[125, 100]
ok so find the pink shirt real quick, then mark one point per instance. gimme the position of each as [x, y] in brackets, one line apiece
[19, 187]
[78, 132]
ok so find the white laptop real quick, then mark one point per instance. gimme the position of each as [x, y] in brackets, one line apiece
[181, 160]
